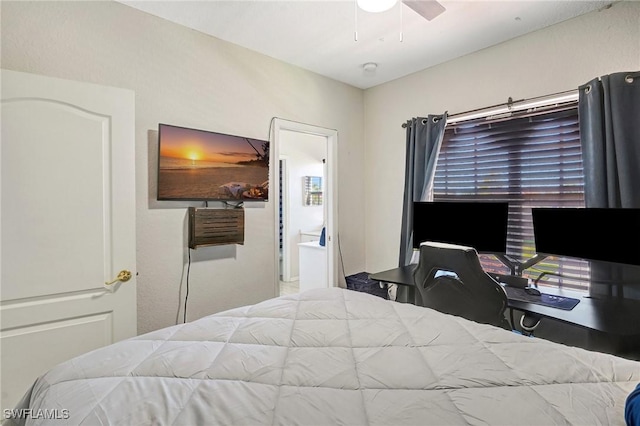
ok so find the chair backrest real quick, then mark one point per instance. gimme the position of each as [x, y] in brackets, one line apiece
[450, 279]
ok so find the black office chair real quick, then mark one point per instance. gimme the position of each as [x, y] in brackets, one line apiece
[450, 279]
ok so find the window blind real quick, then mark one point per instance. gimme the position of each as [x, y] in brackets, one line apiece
[531, 159]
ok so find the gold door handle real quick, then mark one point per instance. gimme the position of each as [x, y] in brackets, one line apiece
[123, 276]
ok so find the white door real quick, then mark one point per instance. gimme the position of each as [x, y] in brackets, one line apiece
[67, 223]
[329, 140]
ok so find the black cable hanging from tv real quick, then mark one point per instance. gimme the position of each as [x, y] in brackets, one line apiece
[186, 297]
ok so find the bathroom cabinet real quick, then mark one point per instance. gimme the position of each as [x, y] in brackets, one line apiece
[313, 265]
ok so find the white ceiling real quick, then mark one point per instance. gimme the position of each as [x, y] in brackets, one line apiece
[319, 35]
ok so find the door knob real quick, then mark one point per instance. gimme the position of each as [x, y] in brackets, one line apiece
[123, 276]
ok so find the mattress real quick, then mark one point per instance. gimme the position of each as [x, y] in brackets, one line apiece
[333, 356]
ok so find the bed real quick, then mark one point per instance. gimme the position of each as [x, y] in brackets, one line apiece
[334, 356]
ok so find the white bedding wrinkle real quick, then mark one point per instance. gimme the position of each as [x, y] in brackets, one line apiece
[335, 356]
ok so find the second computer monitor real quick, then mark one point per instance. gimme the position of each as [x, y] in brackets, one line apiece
[601, 234]
[481, 225]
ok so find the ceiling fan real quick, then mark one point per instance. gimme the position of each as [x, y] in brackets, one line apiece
[428, 9]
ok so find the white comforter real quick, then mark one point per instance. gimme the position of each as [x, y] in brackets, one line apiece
[335, 356]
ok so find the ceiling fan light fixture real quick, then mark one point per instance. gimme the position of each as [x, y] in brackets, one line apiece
[375, 6]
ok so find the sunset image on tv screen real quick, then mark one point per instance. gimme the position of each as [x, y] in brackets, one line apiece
[200, 165]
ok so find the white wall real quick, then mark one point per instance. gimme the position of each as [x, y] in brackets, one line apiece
[304, 154]
[184, 77]
[555, 59]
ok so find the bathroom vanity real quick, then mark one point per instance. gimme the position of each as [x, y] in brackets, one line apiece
[313, 265]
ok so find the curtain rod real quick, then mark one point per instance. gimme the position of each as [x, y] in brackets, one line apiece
[511, 106]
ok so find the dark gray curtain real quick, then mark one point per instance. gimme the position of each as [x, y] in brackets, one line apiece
[609, 111]
[424, 138]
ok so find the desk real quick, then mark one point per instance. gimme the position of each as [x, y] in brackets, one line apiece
[401, 276]
[620, 317]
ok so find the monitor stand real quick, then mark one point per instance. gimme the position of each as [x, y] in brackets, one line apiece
[517, 267]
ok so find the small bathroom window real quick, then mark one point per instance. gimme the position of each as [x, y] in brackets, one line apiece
[312, 187]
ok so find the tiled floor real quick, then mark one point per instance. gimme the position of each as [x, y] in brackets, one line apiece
[291, 287]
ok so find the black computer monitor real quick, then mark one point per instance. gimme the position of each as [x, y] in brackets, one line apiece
[600, 234]
[481, 225]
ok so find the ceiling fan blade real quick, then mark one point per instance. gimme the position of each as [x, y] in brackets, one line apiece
[428, 9]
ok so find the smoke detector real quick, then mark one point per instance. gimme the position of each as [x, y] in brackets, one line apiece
[370, 67]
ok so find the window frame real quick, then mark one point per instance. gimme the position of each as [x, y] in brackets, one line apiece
[553, 271]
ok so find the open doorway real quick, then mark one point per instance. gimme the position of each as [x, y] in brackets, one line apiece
[305, 204]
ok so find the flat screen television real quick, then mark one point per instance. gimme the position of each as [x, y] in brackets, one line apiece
[481, 225]
[600, 234]
[198, 165]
